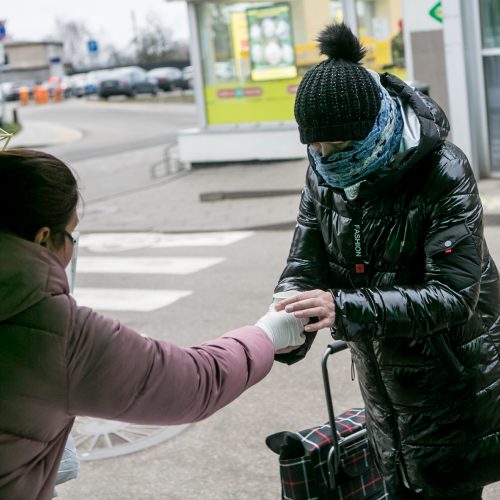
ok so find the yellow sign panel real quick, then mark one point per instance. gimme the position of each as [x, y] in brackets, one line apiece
[239, 33]
[274, 73]
[251, 103]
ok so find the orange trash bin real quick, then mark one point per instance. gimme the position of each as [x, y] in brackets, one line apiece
[24, 95]
[58, 95]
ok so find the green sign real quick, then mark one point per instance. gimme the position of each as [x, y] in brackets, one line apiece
[437, 12]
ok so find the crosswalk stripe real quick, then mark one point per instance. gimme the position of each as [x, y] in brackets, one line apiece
[127, 299]
[112, 242]
[145, 265]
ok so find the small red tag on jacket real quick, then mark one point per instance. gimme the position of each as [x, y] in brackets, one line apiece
[360, 268]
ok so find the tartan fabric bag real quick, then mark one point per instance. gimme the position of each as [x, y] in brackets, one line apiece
[306, 462]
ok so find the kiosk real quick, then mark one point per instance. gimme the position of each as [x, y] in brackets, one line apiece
[248, 58]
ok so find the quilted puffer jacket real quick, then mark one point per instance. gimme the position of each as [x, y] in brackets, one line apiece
[59, 360]
[417, 299]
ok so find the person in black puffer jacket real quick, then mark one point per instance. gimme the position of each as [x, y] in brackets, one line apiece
[389, 253]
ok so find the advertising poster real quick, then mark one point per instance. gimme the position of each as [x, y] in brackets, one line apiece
[272, 54]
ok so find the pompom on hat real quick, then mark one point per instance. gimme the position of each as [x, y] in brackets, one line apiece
[338, 99]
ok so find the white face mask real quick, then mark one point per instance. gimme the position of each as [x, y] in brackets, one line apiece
[71, 267]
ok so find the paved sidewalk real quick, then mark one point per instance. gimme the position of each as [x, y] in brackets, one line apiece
[41, 134]
[261, 195]
[254, 196]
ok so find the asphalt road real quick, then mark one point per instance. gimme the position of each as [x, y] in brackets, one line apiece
[124, 145]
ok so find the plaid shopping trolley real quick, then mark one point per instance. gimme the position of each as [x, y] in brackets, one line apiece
[318, 465]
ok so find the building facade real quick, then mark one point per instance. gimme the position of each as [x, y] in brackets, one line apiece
[33, 61]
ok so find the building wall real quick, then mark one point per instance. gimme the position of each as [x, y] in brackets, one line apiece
[429, 65]
[27, 55]
[31, 61]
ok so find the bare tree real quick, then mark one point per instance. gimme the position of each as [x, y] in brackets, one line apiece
[75, 35]
[155, 42]
[112, 56]
[152, 43]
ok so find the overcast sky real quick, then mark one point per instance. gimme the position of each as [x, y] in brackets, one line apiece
[109, 20]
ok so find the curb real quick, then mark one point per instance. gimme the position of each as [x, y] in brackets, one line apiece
[39, 134]
[236, 195]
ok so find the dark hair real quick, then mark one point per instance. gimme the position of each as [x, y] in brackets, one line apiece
[36, 190]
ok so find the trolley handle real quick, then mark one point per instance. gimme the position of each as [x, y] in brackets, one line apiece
[333, 465]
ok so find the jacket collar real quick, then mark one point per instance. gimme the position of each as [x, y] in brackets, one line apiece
[29, 273]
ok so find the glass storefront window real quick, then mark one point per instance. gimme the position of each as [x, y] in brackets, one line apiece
[380, 28]
[253, 55]
[490, 36]
[227, 39]
[490, 23]
[336, 11]
[492, 82]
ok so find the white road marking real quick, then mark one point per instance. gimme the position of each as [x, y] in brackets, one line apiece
[145, 265]
[112, 242]
[127, 299]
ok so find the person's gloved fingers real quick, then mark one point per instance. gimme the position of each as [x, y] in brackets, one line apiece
[303, 319]
[299, 336]
[290, 331]
[282, 328]
[269, 323]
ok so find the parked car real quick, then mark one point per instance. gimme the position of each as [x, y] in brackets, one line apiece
[94, 79]
[78, 82]
[168, 78]
[187, 73]
[10, 90]
[129, 81]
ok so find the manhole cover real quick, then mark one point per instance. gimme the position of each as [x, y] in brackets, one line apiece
[97, 438]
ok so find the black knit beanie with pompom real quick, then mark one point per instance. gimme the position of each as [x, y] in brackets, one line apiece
[338, 99]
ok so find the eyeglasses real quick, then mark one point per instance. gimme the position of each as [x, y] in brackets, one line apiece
[73, 236]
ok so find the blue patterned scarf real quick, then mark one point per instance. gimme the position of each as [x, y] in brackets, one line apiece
[361, 158]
